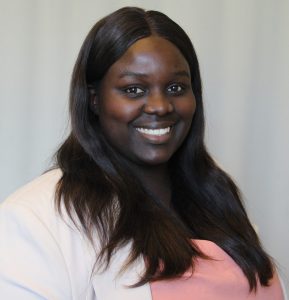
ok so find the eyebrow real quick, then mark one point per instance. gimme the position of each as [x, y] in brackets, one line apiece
[126, 73]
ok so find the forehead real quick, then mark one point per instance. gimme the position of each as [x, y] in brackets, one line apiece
[151, 54]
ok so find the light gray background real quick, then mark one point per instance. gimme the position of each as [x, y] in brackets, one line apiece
[243, 48]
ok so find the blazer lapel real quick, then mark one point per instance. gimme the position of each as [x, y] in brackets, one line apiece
[110, 285]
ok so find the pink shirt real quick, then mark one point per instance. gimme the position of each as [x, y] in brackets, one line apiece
[219, 279]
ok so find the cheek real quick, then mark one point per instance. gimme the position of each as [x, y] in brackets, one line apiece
[119, 110]
[186, 109]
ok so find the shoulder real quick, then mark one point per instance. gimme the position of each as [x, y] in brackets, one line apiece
[40, 250]
[32, 204]
[35, 203]
[37, 192]
[33, 208]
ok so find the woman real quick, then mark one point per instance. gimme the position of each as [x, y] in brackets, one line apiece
[136, 208]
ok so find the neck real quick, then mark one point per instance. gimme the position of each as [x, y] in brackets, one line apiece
[155, 180]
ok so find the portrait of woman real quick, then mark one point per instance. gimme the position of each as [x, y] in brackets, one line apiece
[135, 207]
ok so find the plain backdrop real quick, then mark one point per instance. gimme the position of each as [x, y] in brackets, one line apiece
[243, 49]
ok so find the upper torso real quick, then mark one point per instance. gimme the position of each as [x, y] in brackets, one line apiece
[44, 256]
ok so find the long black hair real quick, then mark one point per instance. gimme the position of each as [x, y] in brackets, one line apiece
[105, 197]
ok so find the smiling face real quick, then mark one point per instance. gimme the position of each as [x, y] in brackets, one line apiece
[145, 103]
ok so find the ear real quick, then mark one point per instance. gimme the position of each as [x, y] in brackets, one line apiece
[93, 100]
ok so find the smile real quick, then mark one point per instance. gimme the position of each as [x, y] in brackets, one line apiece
[156, 132]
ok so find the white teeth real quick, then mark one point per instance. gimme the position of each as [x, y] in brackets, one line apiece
[159, 131]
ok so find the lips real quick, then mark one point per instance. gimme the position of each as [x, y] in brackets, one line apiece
[157, 133]
[154, 132]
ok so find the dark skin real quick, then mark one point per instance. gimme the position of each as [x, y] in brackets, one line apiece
[145, 107]
[155, 180]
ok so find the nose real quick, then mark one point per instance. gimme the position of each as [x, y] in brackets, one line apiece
[158, 103]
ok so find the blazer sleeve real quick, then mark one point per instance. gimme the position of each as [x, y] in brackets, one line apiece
[32, 266]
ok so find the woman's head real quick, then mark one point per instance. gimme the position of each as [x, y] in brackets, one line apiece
[144, 103]
[105, 44]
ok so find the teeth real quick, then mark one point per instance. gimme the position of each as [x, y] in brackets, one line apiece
[159, 131]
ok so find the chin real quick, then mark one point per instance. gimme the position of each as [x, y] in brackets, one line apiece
[154, 161]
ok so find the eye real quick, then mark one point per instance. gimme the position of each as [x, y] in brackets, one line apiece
[134, 91]
[176, 89]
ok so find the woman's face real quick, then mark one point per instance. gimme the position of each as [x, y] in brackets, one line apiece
[145, 103]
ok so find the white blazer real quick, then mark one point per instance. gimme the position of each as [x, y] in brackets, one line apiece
[44, 256]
